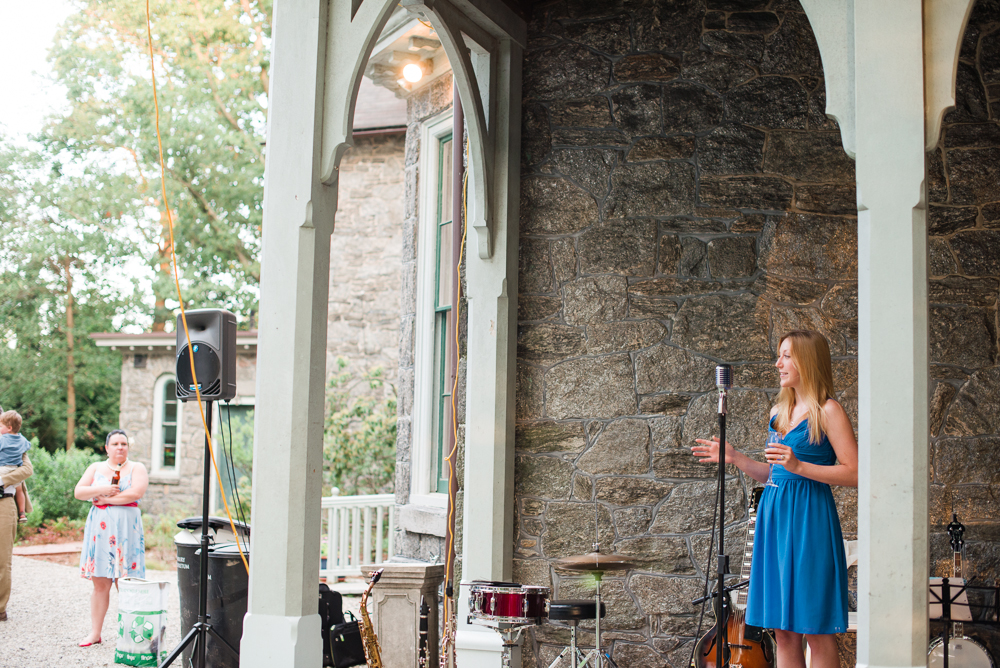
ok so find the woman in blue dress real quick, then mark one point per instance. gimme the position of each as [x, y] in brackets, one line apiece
[798, 578]
[113, 543]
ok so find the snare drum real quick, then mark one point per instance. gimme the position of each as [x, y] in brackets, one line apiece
[493, 603]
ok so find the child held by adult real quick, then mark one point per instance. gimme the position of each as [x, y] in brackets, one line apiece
[12, 448]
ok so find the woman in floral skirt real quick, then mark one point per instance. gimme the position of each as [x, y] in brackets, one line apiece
[113, 543]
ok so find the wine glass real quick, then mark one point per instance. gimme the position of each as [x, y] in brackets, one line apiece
[773, 438]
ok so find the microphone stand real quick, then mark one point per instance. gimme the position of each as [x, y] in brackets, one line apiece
[723, 379]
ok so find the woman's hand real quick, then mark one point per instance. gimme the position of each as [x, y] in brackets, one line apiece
[708, 451]
[777, 453]
[107, 490]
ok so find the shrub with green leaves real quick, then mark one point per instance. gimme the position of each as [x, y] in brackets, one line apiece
[359, 448]
[51, 486]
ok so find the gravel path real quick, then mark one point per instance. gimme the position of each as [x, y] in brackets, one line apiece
[49, 612]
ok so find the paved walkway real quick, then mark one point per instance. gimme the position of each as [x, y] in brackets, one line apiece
[49, 612]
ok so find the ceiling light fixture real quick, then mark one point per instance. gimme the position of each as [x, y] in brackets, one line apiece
[413, 72]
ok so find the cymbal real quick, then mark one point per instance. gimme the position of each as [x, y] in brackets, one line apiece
[595, 561]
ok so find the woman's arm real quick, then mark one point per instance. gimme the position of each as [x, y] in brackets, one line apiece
[86, 490]
[140, 481]
[841, 435]
[708, 453]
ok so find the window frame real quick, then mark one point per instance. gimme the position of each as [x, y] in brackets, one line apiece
[423, 451]
[217, 444]
[157, 469]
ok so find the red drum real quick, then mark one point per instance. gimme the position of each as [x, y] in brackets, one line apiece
[493, 603]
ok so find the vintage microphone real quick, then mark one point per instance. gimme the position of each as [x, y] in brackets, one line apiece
[723, 381]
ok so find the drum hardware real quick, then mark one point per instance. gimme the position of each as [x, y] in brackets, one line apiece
[596, 564]
[512, 608]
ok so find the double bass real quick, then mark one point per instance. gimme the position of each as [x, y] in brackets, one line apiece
[749, 646]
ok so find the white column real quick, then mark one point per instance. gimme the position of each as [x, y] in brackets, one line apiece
[488, 523]
[282, 627]
[893, 356]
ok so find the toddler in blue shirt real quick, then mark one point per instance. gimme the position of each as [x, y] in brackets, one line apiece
[12, 449]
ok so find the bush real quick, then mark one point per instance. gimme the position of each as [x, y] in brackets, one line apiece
[359, 451]
[51, 486]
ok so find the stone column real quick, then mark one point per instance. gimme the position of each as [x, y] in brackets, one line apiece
[396, 612]
[892, 333]
[282, 626]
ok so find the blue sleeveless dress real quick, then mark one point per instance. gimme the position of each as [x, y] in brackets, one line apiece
[798, 576]
[113, 542]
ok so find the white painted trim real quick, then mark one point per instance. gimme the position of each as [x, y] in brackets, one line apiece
[421, 449]
[156, 469]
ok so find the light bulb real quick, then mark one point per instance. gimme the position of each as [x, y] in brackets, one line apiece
[413, 73]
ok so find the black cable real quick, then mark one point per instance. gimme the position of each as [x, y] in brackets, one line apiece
[230, 468]
[232, 475]
[708, 575]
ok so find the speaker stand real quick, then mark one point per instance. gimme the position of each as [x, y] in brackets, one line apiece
[202, 628]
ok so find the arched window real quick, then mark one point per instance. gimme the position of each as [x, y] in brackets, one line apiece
[167, 421]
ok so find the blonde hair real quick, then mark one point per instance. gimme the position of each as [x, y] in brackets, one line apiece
[811, 355]
[12, 420]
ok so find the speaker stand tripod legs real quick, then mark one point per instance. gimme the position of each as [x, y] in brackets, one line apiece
[202, 628]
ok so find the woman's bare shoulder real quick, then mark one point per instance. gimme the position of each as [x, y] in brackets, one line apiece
[834, 411]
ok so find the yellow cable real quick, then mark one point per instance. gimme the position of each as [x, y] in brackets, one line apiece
[180, 299]
[454, 388]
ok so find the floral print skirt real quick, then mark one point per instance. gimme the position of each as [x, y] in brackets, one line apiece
[113, 544]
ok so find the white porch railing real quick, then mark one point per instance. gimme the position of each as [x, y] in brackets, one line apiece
[357, 532]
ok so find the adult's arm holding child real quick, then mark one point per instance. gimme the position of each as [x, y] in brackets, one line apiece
[18, 474]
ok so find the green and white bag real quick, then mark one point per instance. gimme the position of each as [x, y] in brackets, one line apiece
[142, 622]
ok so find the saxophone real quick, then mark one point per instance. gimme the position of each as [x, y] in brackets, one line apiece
[373, 653]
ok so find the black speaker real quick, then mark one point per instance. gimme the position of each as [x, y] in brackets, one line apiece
[213, 347]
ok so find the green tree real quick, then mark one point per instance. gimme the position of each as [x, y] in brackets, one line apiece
[60, 280]
[212, 78]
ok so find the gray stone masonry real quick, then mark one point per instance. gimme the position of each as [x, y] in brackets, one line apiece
[685, 201]
[964, 231]
[365, 257]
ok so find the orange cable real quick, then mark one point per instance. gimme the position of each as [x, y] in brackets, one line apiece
[454, 388]
[180, 299]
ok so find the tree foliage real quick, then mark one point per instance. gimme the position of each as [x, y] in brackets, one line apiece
[359, 448]
[84, 241]
[60, 280]
[212, 76]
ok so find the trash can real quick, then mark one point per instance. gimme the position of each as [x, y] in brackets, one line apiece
[228, 586]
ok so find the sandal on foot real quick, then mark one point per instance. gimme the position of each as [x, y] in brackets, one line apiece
[88, 644]
[22, 518]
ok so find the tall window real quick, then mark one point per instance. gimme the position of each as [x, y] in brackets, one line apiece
[444, 295]
[434, 326]
[166, 426]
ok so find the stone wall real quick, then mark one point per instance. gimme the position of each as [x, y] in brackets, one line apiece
[365, 274]
[169, 496]
[412, 537]
[684, 202]
[964, 229]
